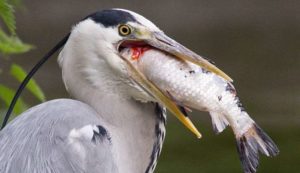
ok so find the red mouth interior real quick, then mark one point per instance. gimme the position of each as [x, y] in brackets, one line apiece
[138, 48]
[138, 51]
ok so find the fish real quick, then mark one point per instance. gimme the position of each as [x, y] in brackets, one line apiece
[191, 87]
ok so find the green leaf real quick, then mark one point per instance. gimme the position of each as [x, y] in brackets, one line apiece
[17, 72]
[7, 14]
[12, 44]
[7, 94]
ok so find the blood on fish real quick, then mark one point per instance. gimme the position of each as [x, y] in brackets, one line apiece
[138, 51]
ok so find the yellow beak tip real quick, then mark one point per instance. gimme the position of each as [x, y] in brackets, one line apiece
[197, 133]
[199, 136]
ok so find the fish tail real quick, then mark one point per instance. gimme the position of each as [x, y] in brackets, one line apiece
[253, 141]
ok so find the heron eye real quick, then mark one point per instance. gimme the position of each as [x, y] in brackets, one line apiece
[124, 30]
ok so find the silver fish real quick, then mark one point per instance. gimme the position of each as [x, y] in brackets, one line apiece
[191, 86]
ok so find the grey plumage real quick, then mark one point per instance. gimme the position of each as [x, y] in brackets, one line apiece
[39, 141]
[46, 139]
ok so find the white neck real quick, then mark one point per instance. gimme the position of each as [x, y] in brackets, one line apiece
[133, 125]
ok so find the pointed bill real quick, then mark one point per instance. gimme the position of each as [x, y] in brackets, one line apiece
[160, 41]
[161, 97]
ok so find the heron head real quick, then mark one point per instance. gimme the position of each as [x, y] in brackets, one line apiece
[98, 40]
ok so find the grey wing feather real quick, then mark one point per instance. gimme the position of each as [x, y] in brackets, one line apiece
[59, 136]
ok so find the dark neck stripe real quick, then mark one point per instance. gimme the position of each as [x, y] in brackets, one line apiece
[160, 136]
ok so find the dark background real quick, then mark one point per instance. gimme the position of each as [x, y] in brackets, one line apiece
[256, 42]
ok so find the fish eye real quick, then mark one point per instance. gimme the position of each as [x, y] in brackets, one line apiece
[124, 30]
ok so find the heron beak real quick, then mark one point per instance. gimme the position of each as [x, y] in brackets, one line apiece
[162, 42]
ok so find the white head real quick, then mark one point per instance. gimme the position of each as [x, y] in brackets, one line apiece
[92, 51]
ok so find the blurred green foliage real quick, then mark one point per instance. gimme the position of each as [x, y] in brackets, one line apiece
[10, 44]
[6, 13]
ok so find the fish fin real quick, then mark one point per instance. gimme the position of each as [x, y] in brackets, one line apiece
[183, 110]
[219, 122]
[249, 145]
[188, 109]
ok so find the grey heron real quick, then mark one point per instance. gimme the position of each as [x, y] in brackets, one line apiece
[113, 125]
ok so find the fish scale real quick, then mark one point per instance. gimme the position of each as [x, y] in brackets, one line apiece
[189, 85]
